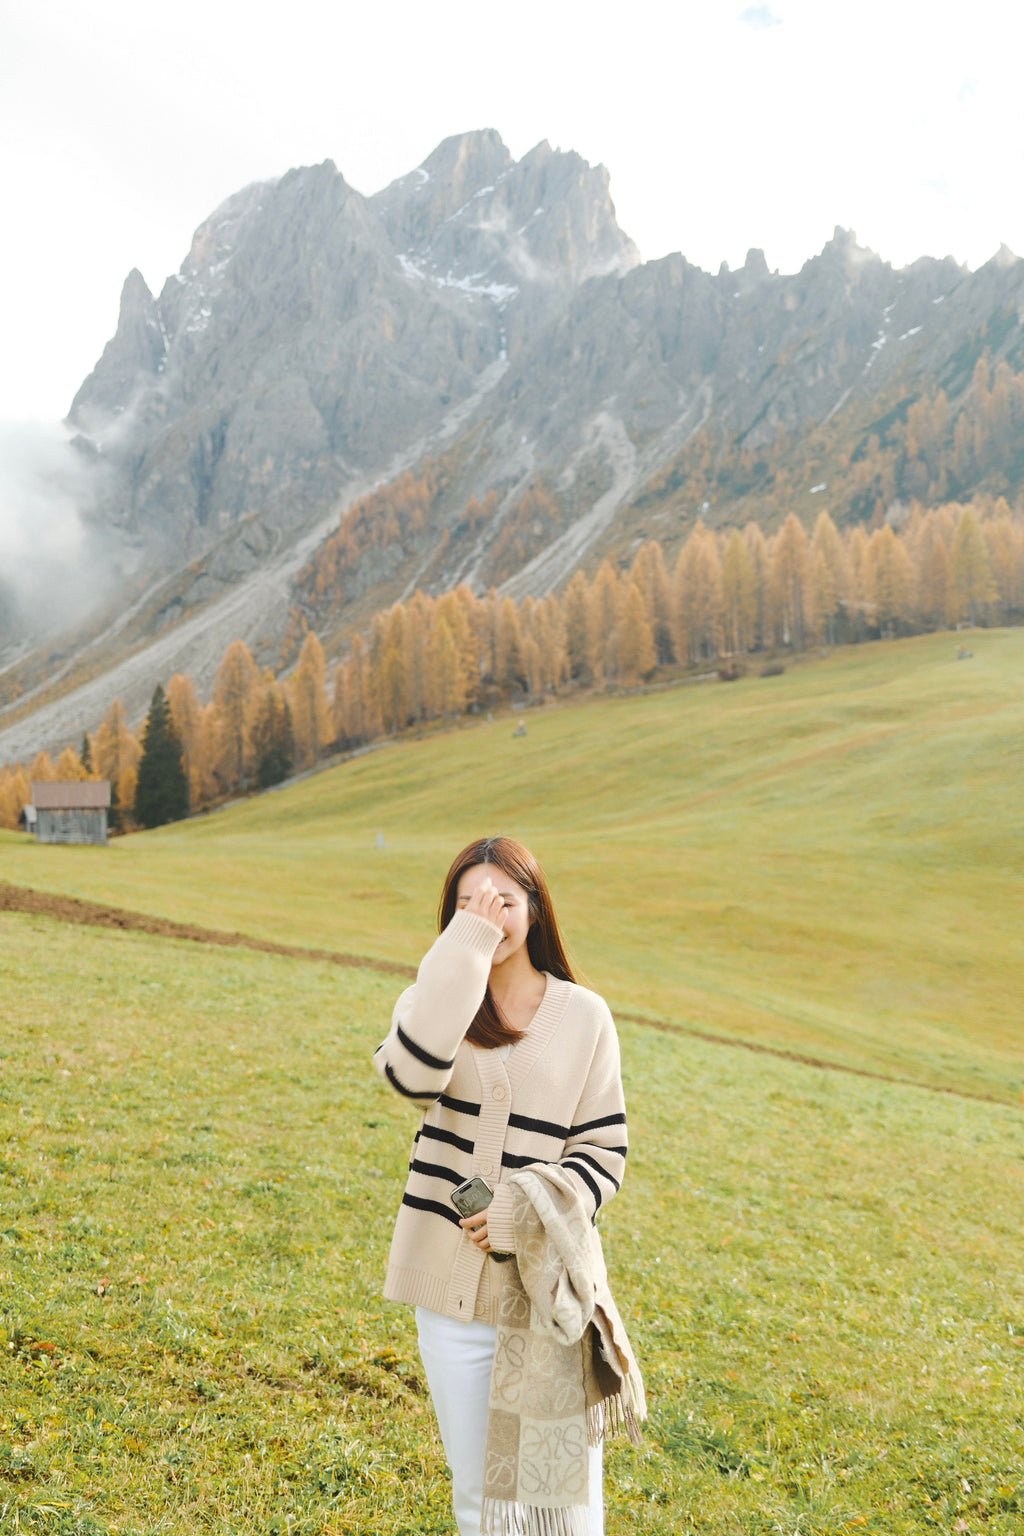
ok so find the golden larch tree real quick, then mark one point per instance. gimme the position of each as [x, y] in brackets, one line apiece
[235, 700]
[603, 613]
[117, 759]
[739, 596]
[634, 640]
[189, 721]
[307, 696]
[790, 585]
[15, 794]
[757, 548]
[888, 579]
[576, 617]
[830, 577]
[649, 573]
[68, 766]
[388, 653]
[42, 770]
[698, 597]
[970, 571]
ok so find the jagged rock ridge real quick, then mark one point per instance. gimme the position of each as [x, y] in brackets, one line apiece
[316, 342]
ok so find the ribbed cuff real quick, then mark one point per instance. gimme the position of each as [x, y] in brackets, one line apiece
[500, 1233]
[474, 932]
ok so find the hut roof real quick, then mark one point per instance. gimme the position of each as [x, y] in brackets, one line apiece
[70, 794]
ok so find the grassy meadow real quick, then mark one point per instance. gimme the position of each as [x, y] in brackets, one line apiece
[830, 861]
[821, 1272]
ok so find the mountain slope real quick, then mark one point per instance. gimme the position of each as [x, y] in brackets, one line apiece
[490, 313]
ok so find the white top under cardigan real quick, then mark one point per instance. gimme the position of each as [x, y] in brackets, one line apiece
[556, 1098]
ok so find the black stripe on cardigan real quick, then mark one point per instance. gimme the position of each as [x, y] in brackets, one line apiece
[422, 1055]
[514, 1160]
[449, 1137]
[409, 1093]
[585, 1157]
[460, 1106]
[585, 1176]
[596, 1125]
[539, 1127]
[436, 1171]
[447, 1211]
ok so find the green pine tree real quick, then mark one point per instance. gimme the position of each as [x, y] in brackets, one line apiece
[85, 755]
[161, 794]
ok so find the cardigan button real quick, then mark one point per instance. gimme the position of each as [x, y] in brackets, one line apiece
[497, 1092]
[486, 1167]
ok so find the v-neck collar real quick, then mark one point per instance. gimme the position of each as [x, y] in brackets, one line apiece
[527, 1049]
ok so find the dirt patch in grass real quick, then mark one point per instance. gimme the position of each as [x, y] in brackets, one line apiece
[760, 1049]
[69, 909]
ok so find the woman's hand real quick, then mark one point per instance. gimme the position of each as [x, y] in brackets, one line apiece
[487, 902]
[475, 1228]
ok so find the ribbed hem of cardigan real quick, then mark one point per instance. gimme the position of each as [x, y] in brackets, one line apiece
[420, 1290]
[475, 932]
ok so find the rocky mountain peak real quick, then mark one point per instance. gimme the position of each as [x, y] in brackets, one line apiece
[415, 205]
[466, 161]
[484, 324]
[134, 353]
[843, 253]
[1004, 258]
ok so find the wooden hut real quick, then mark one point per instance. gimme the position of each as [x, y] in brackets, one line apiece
[71, 811]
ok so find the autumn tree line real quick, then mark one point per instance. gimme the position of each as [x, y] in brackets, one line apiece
[729, 596]
[930, 447]
[394, 515]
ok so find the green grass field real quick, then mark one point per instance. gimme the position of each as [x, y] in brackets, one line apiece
[831, 861]
[821, 1271]
[199, 1170]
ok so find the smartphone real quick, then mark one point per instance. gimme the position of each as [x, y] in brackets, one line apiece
[472, 1196]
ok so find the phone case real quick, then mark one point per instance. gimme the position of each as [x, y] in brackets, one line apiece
[472, 1196]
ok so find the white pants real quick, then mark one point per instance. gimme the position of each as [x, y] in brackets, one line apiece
[457, 1359]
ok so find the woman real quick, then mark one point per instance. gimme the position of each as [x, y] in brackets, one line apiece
[514, 1066]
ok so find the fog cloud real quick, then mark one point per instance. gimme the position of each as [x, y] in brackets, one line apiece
[51, 568]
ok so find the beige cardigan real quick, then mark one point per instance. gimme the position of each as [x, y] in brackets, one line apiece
[557, 1098]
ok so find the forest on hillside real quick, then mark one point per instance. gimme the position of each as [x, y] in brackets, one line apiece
[937, 444]
[730, 600]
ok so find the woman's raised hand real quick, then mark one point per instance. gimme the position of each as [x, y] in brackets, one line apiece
[487, 902]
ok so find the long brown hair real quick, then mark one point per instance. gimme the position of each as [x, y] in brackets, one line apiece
[543, 942]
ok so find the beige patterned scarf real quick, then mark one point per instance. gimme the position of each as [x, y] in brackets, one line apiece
[564, 1374]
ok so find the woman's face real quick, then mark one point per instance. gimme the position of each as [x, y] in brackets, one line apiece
[515, 919]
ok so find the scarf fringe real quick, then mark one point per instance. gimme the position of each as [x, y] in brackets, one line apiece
[505, 1517]
[618, 1414]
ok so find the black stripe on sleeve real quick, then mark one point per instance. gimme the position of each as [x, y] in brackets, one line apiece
[436, 1171]
[460, 1106]
[513, 1160]
[585, 1176]
[596, 1125]
[409, 1093]
[435, 1133]
[539, 1127]
[421, 1055]
[585, 1157]
[447, 1211]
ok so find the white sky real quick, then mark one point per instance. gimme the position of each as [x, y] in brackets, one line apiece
[724, 124]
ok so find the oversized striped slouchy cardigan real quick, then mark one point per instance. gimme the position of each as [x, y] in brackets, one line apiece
[556, 1098]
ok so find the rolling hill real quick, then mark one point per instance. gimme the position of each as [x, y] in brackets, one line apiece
[826, 862]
